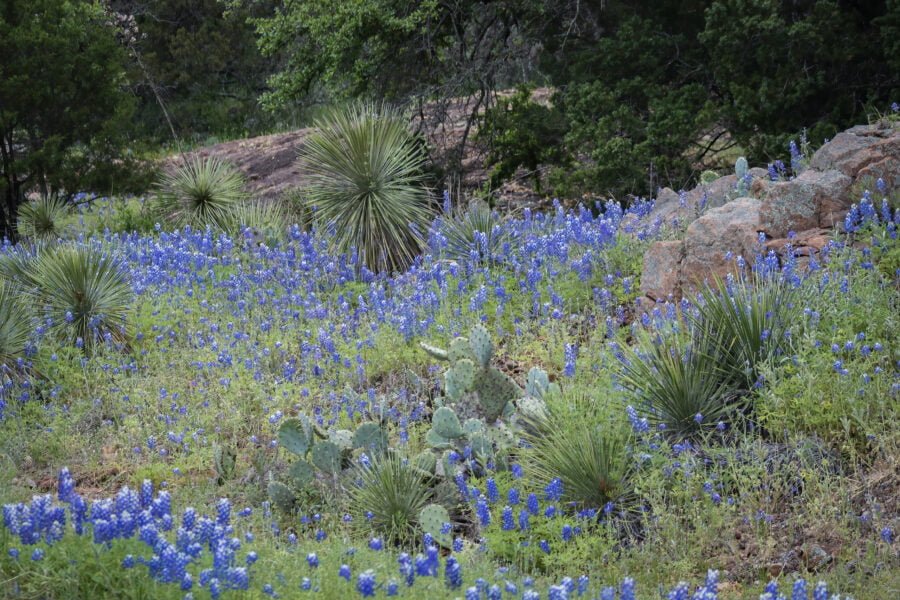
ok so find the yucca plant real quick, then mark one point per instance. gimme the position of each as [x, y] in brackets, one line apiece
[84, 292]
[262, 221]
[476, 229]
[747, 321]
[588, 456]
[15, 324]
[680, 383]
[201, 192]
[41, 219]
[394, 492]
[364, 178]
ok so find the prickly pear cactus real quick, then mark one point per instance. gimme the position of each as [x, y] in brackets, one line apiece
[460, 348]
[295, 435]
[342, 438]
[494, 389]
[371, 437]
[482, 347]
[741, 168]
[426, 462]
[302, 474]
[282, 496]
[326, 456]
[224, 458]
[437, 353]
[432, 519]
[446, 424]
[436, 441]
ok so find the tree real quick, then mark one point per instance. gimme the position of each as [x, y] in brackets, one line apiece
[62, 101]
[452, 55]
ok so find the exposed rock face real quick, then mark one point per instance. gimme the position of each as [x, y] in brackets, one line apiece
[814, 199]
[737, 222]
[808, 207]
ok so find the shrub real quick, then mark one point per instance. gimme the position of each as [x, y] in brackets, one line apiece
[679, 384]
[15, 325]
[260, 222]
[365, 179]
[476, 229]
[747, 322]
[41, 219]
[200, 193]
[84, 292]
[394, 492]
[589, 459]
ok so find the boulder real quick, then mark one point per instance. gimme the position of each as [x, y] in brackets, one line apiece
[659, 277]
[853, 150]
[731, 228]
[814, 199]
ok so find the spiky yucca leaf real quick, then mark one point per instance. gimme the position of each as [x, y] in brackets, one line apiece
[15, 324]
[202, 192]
[261, 221]
[585, 451]
[394, 492]
[748, 322]
[364, 178]
[477, 229]
[680, 384]
[85, 293]
[41, 219]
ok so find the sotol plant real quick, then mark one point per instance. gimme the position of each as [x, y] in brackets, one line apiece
[84, 292]
[15, 325]
[364, 178]
[40, 220]
[202, 192]
[476, 230]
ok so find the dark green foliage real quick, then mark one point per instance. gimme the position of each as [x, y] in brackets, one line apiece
[64, 104]
[522, 132]
[364, 178]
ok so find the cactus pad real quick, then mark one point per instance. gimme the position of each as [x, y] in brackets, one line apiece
[495, 389]
[446, 424]
[533, 409]
[432, 519]
[460, 348]
[224, 459]
[326, 456]
[482, 347]
[436, 441]
[302, 474]
[438, 353]
[426, 461]
[473, 426]
[371, 437]
[537, 382]
[342, 438]
[463, 372]
[295, 435]
[281, 496]
[481, 445]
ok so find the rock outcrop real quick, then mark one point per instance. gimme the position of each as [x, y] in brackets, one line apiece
[803, 211]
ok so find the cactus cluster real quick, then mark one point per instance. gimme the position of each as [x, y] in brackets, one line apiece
[741, 170]
[327, 452]
[472, 386]
[471, 380]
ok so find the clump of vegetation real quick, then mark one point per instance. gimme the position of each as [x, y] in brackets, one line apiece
[41, 219]
[202, 192]
[365, 180]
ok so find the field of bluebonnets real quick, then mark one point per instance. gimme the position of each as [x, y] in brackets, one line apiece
[253, 414]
